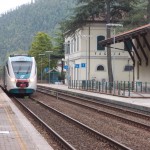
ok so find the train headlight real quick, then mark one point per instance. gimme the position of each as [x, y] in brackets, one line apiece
[31, 80]
[12, 79]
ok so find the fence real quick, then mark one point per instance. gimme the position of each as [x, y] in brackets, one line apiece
[122, 88]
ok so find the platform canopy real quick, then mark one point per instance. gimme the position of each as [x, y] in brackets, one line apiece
[127, 38]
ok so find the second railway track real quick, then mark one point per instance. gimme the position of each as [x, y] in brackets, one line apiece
[77, 134]
[131, 117]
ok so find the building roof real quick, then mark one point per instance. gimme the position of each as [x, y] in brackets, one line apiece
[84, 23]
[125, 35]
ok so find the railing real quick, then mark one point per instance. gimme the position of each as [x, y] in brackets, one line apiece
[122, 88]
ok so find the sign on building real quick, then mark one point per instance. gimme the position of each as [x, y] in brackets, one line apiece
[83, 65]
[77, 65]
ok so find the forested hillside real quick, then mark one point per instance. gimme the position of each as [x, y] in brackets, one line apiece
[18, 27]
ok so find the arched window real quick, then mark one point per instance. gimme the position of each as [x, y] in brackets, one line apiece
[100, 68]
[67, 47]
[100, 38]
[128, 68]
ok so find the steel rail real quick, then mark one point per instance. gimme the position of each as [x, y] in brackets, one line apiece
[123, 119]
[133, 113]
[97, 134]
[64, 144]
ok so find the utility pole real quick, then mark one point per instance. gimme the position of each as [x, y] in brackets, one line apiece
[109, 61]
[49, 63]
[114, 25]
[41, 55]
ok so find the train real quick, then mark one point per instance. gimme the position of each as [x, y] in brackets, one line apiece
[20, 75]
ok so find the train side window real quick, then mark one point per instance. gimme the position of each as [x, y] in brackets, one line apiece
[7, 68]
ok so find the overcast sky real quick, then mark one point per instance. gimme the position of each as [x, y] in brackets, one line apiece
[6, 5]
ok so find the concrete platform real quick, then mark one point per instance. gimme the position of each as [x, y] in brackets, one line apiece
[16, 132]
[137, 101]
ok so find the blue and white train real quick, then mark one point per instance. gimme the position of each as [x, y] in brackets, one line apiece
[20, 75]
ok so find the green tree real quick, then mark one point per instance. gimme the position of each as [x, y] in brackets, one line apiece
[148, 10]
[59, 43]
[139, 15]
[42, 42]
[59, 48]
[90, 10]
[19, 26]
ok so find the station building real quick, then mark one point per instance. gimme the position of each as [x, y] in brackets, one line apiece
[86, 59]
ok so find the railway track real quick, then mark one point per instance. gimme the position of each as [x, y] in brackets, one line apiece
[94, 114]
[61, 142]
[72, 133]
[101, 102]
[127, 116]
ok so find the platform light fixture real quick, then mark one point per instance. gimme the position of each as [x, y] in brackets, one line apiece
[49, 53]
[68, 70]
[41, 55]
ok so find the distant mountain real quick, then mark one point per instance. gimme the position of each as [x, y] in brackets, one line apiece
[18, 27]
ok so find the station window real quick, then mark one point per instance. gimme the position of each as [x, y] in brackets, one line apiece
[100, 38]
[74, 44]
[100, 68]
[71, 45]
[67, 48]
[77, 43]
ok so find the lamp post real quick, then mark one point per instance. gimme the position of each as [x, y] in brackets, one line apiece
[87, 76]
[68, 70]
[129, 67]
[41, 66]
[49, 52]
[114, 26]
[67, 51]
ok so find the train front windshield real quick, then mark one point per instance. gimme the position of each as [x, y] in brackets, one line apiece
[22, 68]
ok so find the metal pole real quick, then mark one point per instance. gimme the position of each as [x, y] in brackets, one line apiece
[41, 69]
[129, 68]
[114, 25]
[114, 55]
[49, 68]
[89, 61]
[74, 72]
[68, 69]
[86, 62]
[49, 63]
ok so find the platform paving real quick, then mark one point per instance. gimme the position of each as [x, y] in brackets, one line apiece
[16, 132]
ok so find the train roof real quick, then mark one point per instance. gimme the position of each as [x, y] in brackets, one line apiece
[21, 57]
[14, 55]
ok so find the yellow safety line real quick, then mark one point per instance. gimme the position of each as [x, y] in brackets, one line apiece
[19, 139]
